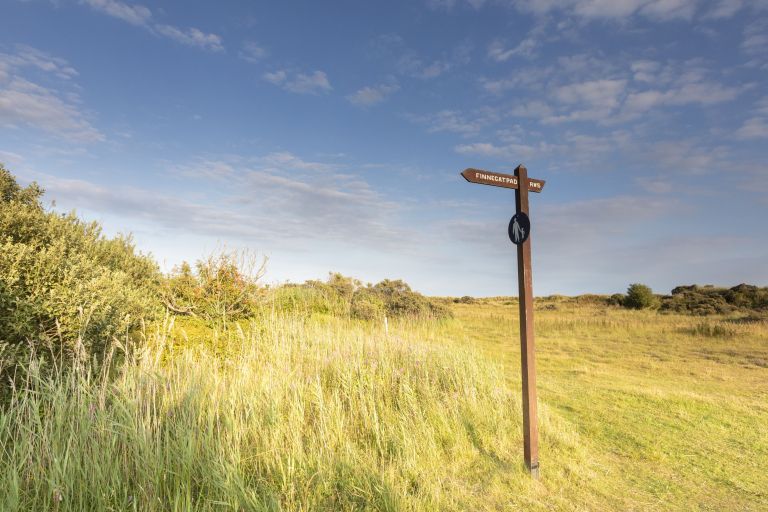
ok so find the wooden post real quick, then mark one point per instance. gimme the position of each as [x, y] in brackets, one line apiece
[528, 358]
[519, 233]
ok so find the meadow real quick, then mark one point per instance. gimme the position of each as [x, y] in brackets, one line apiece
[307, 411]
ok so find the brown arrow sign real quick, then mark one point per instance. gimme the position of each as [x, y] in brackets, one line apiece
[498, 179]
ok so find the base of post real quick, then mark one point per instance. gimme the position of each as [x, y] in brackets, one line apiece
[534, 469]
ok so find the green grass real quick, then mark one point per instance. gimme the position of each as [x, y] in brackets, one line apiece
[638, 411]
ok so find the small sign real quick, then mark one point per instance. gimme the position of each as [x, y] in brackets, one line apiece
[498, 179]
[519, 228]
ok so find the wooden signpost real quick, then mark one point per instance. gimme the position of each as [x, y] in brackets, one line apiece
[519, 234]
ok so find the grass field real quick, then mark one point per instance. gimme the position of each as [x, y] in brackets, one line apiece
[671, 412]
[638, 411]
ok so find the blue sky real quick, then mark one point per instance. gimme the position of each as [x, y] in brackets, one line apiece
[330, 135]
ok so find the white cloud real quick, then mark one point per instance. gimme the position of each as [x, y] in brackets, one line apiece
[191, 37]
[26, 104]
[26, 56]
[534, 108]
[498, 52]
[278, 199]
[372, 95]
[133, 14]
[276, 77]
[513, 152]
[688, 156]
[285, 160]
[619, 93]
[457, 122]
[613, 9]
[754, 128]
[9, 157]
[644, 70]
[593, 100]
[755, 40]
[724, 9]
[252, 52]
[142, 16]
[593, 93]
[527, 47]
[409, 63]
[299, 83]
[682, 93]
[450, 4]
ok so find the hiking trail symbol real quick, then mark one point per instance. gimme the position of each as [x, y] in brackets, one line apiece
[519, 228]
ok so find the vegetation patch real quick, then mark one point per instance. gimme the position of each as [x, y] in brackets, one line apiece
[63, 285]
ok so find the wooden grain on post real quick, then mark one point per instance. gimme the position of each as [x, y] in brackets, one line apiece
[527, 345]
[519, 233]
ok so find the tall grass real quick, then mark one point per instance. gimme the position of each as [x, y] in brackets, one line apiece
[281, 414]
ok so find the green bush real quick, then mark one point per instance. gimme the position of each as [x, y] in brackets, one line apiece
[345, 296]
[694, 303]
[400, 301]
[617, 299]
[62, 283]
[710, 300]
[366, 304]
[639, 296]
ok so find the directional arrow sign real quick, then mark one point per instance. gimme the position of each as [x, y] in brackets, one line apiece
[499, 180]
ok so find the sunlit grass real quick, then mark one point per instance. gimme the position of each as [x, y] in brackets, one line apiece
[639, 411]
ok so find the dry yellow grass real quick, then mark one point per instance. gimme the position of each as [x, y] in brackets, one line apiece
[639, 411]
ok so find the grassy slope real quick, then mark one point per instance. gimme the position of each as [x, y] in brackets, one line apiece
[638, 412]
[670, 418]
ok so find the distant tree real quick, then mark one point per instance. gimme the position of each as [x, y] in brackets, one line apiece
[639, 296]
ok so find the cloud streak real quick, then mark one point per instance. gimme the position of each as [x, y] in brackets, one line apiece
[24, 103]
[275, 200]
[372, 95]
[315, 82]
[141, 16]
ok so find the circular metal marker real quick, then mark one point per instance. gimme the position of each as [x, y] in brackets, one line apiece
[519, 228]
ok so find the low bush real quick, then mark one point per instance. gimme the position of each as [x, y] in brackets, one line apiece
[617, 299]
[221, 288]
[345, 296]
[401, 301]
[366, 304]
[709, 300]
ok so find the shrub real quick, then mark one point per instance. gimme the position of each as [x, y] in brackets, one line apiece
[617, 299]
[401, 301]
[61, 281]
[222, 287]
[696, 304]
[710, 300]
[639, 296]
[366, 304]
[345, 296]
